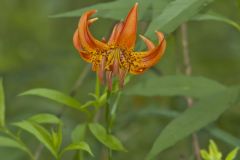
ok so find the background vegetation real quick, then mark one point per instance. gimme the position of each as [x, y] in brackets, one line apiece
[36, 51]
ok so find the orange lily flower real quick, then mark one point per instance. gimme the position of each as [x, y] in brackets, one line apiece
[116, 57]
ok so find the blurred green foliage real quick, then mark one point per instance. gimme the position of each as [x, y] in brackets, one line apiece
[37, 52]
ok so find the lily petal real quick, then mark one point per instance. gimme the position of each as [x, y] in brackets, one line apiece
[149, 58]
[148, 43]
[115, 33]
[127, 38]
[85, 55]
[87, 41]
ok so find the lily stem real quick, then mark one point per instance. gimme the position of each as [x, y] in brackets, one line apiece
[108, 122]
[188, 72]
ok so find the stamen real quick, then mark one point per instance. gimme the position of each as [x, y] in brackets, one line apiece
[115, 66]
[109, 79]
[101, 70]
[122, 74]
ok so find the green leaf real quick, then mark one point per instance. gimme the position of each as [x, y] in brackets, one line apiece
[2, 104]
[176, 12]
[201, 114]
[55, 96]
[232, 155]
[154, 111]
[213, 151]
[204, 155]
[57, 138]
[101, 135]
[8, 142]
[78, 146]
[238, 1]
[40, 133]
[224, 136]
[216, 17]
[78, 133]
[114, 10]
[176, 85]
[45, 118]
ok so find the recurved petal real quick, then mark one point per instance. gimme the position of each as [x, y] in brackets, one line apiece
[76, 42]
[87, 41]
[115, 33]
[149, 58]
[127, 38]
[148, 43]
[85, 55]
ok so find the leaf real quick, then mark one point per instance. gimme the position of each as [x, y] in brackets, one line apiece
[78, 146]
[40, 133]
[108, 140]
[176, 12]
[114, 10]
[213, 151]
[224, 136]
[78, 133]
[175, 86]
[55, 96]
[45, 118]
[2, 104]
[201, 114]
[8, 142]
[154, 111]
[57, 138]
[232, 155]
[216, 17]
[204, 154]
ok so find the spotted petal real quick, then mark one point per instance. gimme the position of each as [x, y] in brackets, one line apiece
[149, 58]
[84, 54]
[86, 40]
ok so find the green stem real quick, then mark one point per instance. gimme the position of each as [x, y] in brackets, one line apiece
[108, 121]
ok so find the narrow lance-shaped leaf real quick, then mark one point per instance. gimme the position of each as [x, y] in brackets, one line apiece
[114, 10]
[54, 95]
[232, 155]
[2, 104]
[108, 140]
[45, 118]
[78, 146]
[176, 12]
[201, 114]
[216, 17]
[78, 133]
[224, 136]
[8, 142]
[40, 133]
[176, 86]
